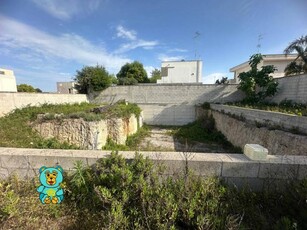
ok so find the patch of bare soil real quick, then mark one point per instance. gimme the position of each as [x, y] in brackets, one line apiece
[160, 139]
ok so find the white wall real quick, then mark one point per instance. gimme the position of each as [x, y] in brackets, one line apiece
[11, 101]
[182, 72]
[7, 81]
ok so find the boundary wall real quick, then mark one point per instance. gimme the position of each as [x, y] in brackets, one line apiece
[234, 169]
[292, 88]
[11, 101]
[169, 104]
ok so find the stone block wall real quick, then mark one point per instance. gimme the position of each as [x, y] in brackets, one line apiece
[88, 134]
[240, 128]
[292, 88]
[234, 169]
[169, 104]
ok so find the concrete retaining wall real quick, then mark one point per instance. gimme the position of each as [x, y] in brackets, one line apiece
[240, 128]
[11, 101]
[266, 118]
[235, 169]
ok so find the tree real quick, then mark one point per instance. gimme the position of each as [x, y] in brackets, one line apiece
[92, 78]
[258, 84]
[28, 88]
[132, 73]
[155, 75]
[223, 81]
[299, 65]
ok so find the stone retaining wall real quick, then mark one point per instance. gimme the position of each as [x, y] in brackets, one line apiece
[235, 169]
[240, 127]
[89, 134]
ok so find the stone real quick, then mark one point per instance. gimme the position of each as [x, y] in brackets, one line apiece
[255, 152]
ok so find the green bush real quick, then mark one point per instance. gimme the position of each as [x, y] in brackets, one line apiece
[116, 193]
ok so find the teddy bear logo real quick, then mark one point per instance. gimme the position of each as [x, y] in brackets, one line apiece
[50, 190]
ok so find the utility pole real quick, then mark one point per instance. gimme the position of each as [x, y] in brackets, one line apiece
[196, 36]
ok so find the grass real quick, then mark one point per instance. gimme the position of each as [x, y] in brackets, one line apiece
[132, 142]
[203, 131]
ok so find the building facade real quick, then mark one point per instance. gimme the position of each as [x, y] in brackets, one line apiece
[280, 61]
[66, 87]
[7, 81]
[181, 72]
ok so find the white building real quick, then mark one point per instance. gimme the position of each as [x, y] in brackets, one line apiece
[66, 87]
[280, 61]
[7, 81]
[181, 72]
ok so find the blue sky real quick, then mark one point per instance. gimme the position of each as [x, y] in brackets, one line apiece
[46, 41]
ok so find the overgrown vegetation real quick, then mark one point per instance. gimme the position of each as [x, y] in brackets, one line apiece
[203, 130]
[120, 194]
[285, 106]
[132, 142]
[16, 130]
[257, 84]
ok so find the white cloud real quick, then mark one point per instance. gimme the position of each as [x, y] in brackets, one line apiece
[149, 69]
[177, 50]
[134, 41]
[211, 78]
[66, 9]
[164, 57]
[124, 33]
[30, 44]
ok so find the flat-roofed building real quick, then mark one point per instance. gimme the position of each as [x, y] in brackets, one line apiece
[66, 87]
[280, 61]
[7, 81]
[181, 72]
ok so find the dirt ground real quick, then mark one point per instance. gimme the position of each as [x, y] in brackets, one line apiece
[160, 139]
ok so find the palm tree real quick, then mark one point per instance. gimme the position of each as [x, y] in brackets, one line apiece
[299, 65]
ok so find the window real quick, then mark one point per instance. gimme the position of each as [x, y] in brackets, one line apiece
[164, 71]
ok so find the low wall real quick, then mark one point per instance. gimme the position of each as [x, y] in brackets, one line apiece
[11, 101]
[235, 169]
[266, 118]
[240, 128]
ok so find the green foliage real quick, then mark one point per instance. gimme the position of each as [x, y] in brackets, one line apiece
[131, 194]
[92, 78]
[257, 84]
[206, 105]
[285, 106]
[132, 73]
[28, 88]
[16, 130]
[155, 75]
[223, 81]
[132, 142]
[299, 65]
